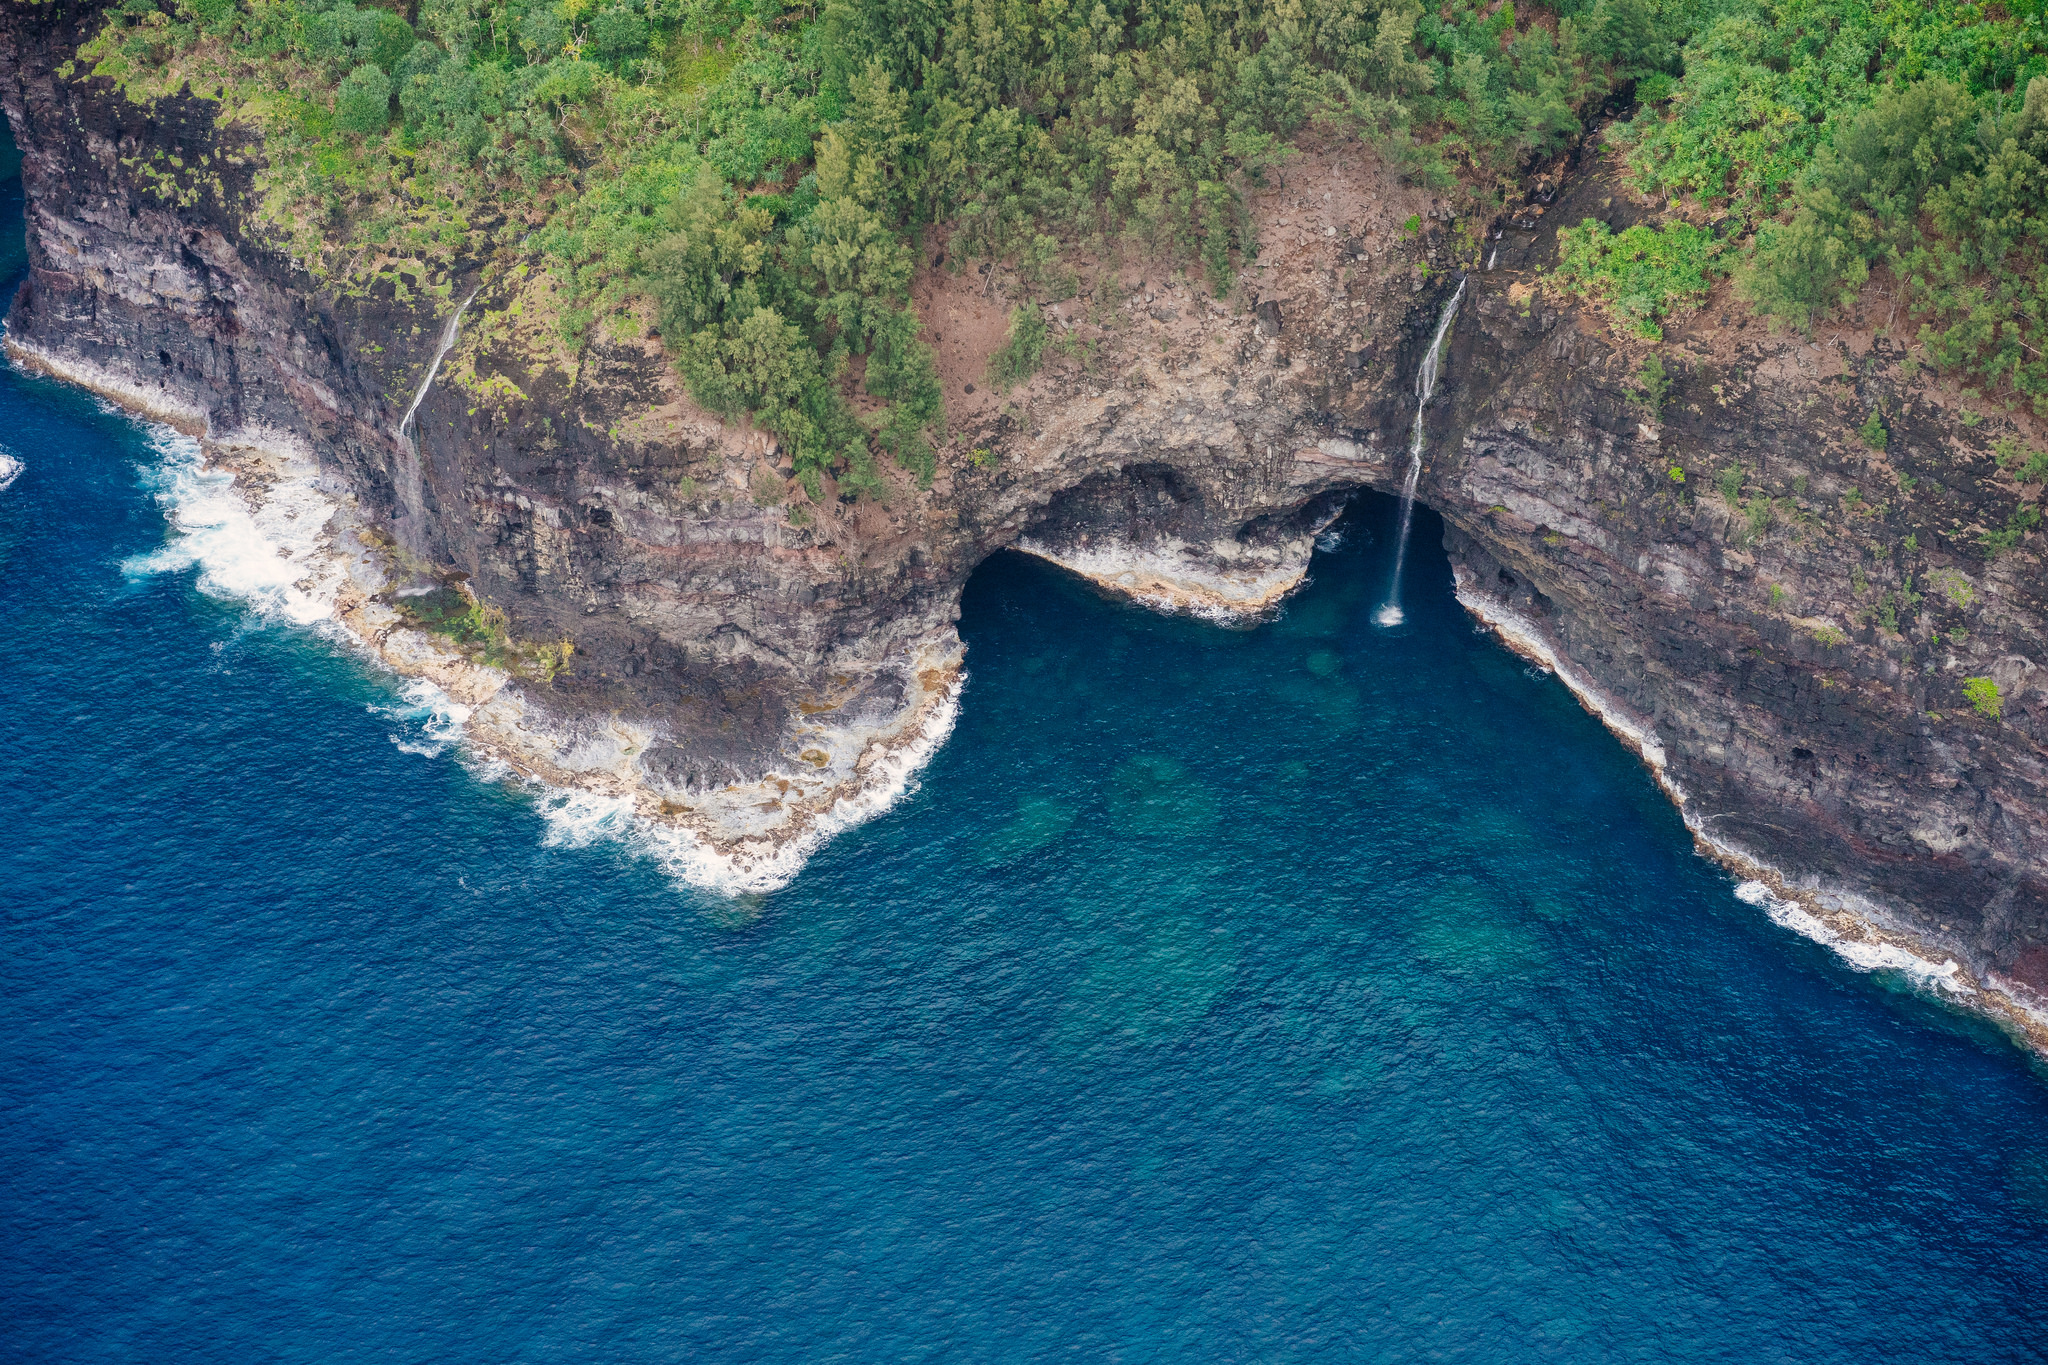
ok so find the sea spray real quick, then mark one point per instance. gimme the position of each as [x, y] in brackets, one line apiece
[1390, 613]
[440, 354]
[578, 819]
[273, 552]
[429, 719]
[1862, 955]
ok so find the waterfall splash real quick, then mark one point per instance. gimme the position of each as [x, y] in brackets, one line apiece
[1390, 613]
[440, 354]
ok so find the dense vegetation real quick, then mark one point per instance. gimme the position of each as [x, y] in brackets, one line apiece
[1839, 145]
[760, 173]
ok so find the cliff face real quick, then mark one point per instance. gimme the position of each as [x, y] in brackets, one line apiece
[746, 658]
[1791, 606]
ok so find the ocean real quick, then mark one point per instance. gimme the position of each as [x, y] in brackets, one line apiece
[1312, 991]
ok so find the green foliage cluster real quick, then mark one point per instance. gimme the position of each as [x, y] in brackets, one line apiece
[2028, 466]
[1653, 384]
[1767, 84]
[1641, 274]
[1730, 485]
[2024, 464]
[1865, 137]
[1018, 358]
[1999, 540]
[759, 171]
[1983, 694]
[484, 632]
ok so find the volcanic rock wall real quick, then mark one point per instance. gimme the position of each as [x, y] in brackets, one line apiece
[1798, 669]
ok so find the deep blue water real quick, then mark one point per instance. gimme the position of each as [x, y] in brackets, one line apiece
[1314, 992]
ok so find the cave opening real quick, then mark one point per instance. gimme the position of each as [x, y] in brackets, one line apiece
[1358, 542]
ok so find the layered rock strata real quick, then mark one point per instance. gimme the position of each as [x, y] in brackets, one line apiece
[1787, 643]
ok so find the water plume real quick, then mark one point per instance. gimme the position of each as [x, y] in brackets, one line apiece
[1390, 613]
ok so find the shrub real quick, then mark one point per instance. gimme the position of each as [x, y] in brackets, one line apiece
[362, 103]
[1641, 275]
[1873, 432]
[1954, 587]
[1860, 197]
[2028, 466]
[1653, 385]
[1759, 512]
[618, 33]
[2008, 537]
[1983, 694]
[766, 487]
[1018, 358]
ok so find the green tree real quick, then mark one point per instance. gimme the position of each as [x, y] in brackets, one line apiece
[362, 104]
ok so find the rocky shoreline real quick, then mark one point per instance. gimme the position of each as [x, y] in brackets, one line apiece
[1788, 615]
[740, 838]
[723, 842]
[1862, 933]
[1181, 580]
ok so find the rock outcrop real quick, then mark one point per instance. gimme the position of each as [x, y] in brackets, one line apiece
[1781, 615]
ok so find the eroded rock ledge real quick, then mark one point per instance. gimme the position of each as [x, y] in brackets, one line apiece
[751, 667]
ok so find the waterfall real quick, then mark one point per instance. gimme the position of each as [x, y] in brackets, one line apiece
[1390, 613]
[440, 354]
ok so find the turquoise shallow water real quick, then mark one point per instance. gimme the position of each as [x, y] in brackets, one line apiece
[1313, 992]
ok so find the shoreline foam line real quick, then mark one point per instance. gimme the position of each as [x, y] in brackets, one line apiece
[1170, 578]
[282, 546]
[1853, 928]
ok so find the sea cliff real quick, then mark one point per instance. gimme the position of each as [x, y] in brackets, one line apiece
[1717, 569]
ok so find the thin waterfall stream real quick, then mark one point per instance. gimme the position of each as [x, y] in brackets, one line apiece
[1390, 613]
[440, 354]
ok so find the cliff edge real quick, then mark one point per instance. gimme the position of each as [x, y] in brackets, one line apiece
[637, 599]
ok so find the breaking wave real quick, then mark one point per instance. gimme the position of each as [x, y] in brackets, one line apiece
[1861, 954]
[273, 554]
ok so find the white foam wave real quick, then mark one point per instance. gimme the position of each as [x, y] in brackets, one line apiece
[272, 552]
[10, 469]
[271, 555]
[1865, 955]
[1524, 638]
[579, 819]
[1861, 954]
[432, 719]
